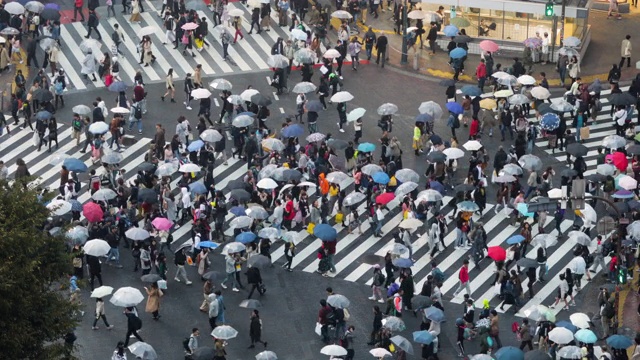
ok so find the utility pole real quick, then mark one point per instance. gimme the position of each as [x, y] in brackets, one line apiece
[562, 15]
[404, 58]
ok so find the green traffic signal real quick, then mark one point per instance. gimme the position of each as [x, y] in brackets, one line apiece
[622, 276]
[548, 10]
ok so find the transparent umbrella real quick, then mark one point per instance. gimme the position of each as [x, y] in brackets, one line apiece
[429, 195]
[304, 87]
[387, 109]
[530, 162]
[431, 108]
[143, 351]
[224, 332]
[405, 175]
[278, 61]
[614, 142]
[221, 84]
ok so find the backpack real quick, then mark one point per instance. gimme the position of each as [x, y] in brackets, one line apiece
[185, 344]
[456, 122]
[58, 87]
[380, 278]
[137, 323]
[538, 180]
[137, 112]
[438, 275]
[77, 125]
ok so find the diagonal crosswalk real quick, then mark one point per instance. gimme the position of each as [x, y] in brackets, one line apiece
[350, 247]
[249, 54]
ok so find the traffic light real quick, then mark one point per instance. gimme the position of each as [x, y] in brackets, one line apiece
[622, 275]
[548, 9]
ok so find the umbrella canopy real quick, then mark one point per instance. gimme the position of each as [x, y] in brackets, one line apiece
[472, 145]
[519, 99]
[224, 332]
[619, 342]
[162, 224]
[577, 149]
[112, 158]
[233, 248]
[385, 198]
[436, 156]
[614, 142]
[342, 96]
[580, 320]
[325, 232]
[488, 104]
[259, 261]
[544, 240]
[622, 99]
[471, 90]
[189, 168]
[526, 80]
[515, 239]
[511, 80]
[434, 314]
[305, 56]
[488, 45]
[550, 121]
[273, 144]
[143, 351]
[497, 253]
[267, 183]
[530, 162]
[450, 30]
[429, 195]
[380, 353]
[298, 34]
[338, 301]
[75, 165]
[469, 206]
[104, 194]
[304, 87]
[341, 14]
[50, 13]
[455, 108]
[278, 61]
[93, 212]
[387, 109]
[118, 86]
[200, 93]
[166, 169]
[432, 109]
[101, 292]
[458, 53]
[222, 84]
[59, 207]
[261, 100]
[562, 106]
[381, 178]
[211, 135]
[354, 198]
[316, 137]
[509, 353]
[460, 22]
[540, 93]
[150, 278]
[405, 175]
[569, 352]
[402, 343]
[561, 335]
[423, 337]
[540, 313]
[403, 263]
[527, 263]
[567, 325]
[366, 147]
[81, 110]
[137, 234]
[96, 247]
[586, 336]
[266, 355]
[393, 323]
[405, 188]
[331, 54]
[504, 179]
[126, 296]
[333, 350]
[269, 233]
[99, 128]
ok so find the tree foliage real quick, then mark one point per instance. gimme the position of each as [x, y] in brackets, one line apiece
[35, 313]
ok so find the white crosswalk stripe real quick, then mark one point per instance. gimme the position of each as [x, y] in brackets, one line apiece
[249, 54]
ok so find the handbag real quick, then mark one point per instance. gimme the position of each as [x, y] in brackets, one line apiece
[585, 132]
[310, 228]
[339, 217]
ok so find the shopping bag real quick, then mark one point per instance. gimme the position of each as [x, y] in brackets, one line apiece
[318, 329]
[310, 228]
[162, 284]
[339, 217]
[584, 132]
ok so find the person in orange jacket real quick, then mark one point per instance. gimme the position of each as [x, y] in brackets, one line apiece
[324, 184]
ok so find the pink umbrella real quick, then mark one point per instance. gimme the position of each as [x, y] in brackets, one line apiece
[92, 211]
[190, 26]
[620, 161]
[488, 45]
[162, 224]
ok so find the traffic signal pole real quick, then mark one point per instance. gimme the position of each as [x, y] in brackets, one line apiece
[562, 16]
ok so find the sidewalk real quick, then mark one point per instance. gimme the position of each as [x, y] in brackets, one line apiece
[603, 50]
[628, 318]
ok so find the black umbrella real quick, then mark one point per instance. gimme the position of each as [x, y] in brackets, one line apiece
[464, 188]
[447, 82]
[621, 206]
[146, 166]
[527, 263]
[577, 149]
[544, 108]
[633, 150]
[291, 174]
[236, 184]
[148, 196]
[42, 95]
[435, 139]
[569, 173]
[314, 105]
[151, 278]
[623, 99]
[261, 100]
[50, 14]
[240, 195]
[421, 302]
[212, 276]
[595, 178]
[462, 39]
[436, 156]
[258, 261]
[633, 204]
[338, 144]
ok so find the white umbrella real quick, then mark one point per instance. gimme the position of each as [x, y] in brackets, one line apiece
[247, 94]
[112, 158]
[57, 159]
[137, 234]
[241, 222]
[235, 100]
[59, 207]
[472, 145]
[304, 87]
[627, 182]
[14, 8]
[336, 177]
[453, 153]
[371, 169]
[267, 355]
[333, 350]
[342, 96]
[96, 247]
[341, 14]
[127, 296]
[298, 34]
[277, 61]
[188, 168]
[221, 84]
[99, 128]
[589, 214]
[104, 194]
[580, 237]
[241, 121]
[540, 93]
[101, 292]
[387, 109]
[560, 335]
[544, 240]
[331, 54]
[120, 110]
[306, 183]
[34, 6]
[356, 114]
[257, 212]
[500, 74]
[143, 351]
[89, 45]
[605, 169]
[224, 332]
[404, 175]
[79, 234]
[554, 193]
[200, 93]
[410, 224]
[614, 142]
[380, 352]
[236, 12]
[233, 248]
[81, 109]
[405, 188]
[354, 198]
[569, 352]
[147, 30]
[580, 320]
[267, 183]
[166, 169]
[512, 169]
[526, 80]
[211, 135]
[416, 15]
[504, 179]
[429, 195]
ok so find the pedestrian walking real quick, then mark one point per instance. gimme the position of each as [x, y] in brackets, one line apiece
[463, 279]
[135, 11]
[133, 325]
[180, 260]
[100, 314]
[92, 24]
[255, 330]
[89, 64]
[625, 51]
[77, 8]
[381, 47]
[188, 87]
[230, 269]
[153, 300]
[524, 334]
[354, 49]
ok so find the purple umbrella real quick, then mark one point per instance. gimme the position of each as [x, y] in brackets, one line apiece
[437, 186]
[53, 6]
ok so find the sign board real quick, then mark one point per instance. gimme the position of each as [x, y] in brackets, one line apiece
[578, 194]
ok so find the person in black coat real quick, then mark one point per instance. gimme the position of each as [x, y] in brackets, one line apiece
[95, 270]
[377, 324]
[254, 279]
[255, 330]
[255, 20]
[521, 146]
[133, 325]
[251, 148]
[92, 24]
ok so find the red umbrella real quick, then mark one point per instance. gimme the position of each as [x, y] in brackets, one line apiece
[92, 211]
[497, 253]
[385, 198]
[620, 161]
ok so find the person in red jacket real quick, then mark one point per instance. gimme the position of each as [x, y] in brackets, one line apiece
[289, 212]
[77, 8]
[481, 74]
[474, 128]
[463, 277]
[331, 252]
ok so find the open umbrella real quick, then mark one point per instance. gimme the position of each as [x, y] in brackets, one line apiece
[450, 30]
[59, 207]
[189, 168]
[431, 108]
[488, 45]
[137, 234]
[101, 292]
[269, 233]
[211, 135]
[261, 100]
[614, 142]
[79, 234]
[455, 108]
[233, 248]
[50, 13]
[338, 301]
[305, 56]
[469, 206]
[406, 175]
[325, 232]
[224, 332]
[81, 110]
[112, 158]
[385, 198]
[258, 261]
[278, 61]
[143, 351]
[509, 353]
[403, 263]
[273, 144]
[497, 253]
[341, 14]
[150, 278]
[436, 156]
[203, 353]
[304, 87]
[166, 169]
[458, 53]
[354, 198]
[393, 323]
[366, 147]
[561, 336]
[333, 350]
[104, 194]
[381, 178]
[530, 162]
[569, 352]
[511, 80]
[577, 149]
[403, 344]
[222, 84]
[562, 106]
[380, 353]
[96, 247]
[586, 336]
[550, 121]
[488, 104]
[93, 212]
[387, 109]
[99, 128]
[423, 337]
[342, 96]
[434, 314]
[120, 110]
[241, 121]
[544, 240]
[429, 195]
[619, 342]
[540, 93]
[471, 90]
[567, 325]
[126, 296]
[472, 145]
[405, 188]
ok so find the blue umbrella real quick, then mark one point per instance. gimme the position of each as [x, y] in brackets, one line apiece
[567, 325]
[450, 30]
[294, 130]
[509, 353]
[457, 53]
[75, 205]
[325, 232]
[471, 90]
[208, 244]
[524, 210]
[435, 139]
[455, 108]
[423, 118]
[586, 336]
[515, 239]
[246, 237]
[423, 337]
[434, 314]
[366, 147]
[550, 121]
[437, 186]
[75, 165]
[118, 86]
[619, 342]
[467, 206]
[381, 178]
[195, 145]
[403, 263]
[238, 211]
[43, 115]
[197, 188]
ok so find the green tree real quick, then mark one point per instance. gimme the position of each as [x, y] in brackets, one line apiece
[35, 314]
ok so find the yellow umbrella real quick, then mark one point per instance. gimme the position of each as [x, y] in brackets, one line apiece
[488, 104]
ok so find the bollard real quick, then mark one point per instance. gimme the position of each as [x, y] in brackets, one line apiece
[416, 61]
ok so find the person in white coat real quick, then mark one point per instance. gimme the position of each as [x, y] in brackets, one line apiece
[185, 201]
[89, 66]
[434, 235]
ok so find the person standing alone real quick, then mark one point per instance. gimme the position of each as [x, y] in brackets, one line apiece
[625, 51]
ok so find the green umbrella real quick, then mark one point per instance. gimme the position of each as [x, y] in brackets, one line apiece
[460, 22]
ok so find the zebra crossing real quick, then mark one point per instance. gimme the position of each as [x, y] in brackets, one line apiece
[601, 128]
[350, 247]
[248, 55]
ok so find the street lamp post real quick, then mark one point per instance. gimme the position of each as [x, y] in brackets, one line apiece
[562, 16]
[404, 58]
